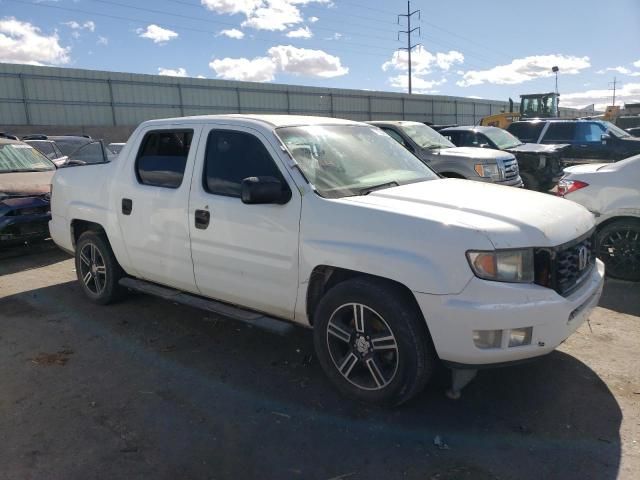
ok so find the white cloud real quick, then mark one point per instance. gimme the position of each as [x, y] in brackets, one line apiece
[263, 14]
[628, 93]
[22, 42]
[232, 33]
[260, 69]
[170, 72]
[302, 32]
[621, 70]
[315, 19]
[102, 40]
[88, 25]
[157, 34]
[418, 84]
[636, 64]
[280, 59]
[422, 61]
[523, 69]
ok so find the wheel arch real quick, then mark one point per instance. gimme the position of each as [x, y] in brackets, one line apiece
[79, 226]
[610, 220]
[325, 277]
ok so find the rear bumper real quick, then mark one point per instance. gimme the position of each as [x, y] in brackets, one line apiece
[20, 228]
[484, 305]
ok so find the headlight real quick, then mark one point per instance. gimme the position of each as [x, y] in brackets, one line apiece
[503, 265]
[488, 171]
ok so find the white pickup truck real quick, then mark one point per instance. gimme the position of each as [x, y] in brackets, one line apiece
[331, 224]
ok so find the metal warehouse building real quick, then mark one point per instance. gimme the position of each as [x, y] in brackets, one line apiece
[109, 105]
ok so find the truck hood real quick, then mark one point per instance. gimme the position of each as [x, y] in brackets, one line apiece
[509, 217]
[21, 184]
[537, 148]
[483, 154]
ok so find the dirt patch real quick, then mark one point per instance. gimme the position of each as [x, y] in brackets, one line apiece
[47, 359]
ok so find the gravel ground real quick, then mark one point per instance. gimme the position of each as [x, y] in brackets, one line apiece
[149, 389]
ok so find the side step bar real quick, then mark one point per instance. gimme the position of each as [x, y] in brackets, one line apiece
[177, 296]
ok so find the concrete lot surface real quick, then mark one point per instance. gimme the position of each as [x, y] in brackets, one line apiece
[149, 389]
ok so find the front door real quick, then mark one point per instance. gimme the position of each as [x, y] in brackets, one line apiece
[152, 199]
[243, 254]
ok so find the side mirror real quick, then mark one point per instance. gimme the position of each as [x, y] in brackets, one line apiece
[264, 190]
[484, 145]
[604, 137]
[72, 162]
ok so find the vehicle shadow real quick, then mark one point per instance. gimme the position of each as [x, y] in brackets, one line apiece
[621, 296]
[261, 393]
[19, 258]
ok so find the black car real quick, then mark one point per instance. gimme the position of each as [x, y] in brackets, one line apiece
[79, 149]
[540, 165]
[25, 183]
[590, 141]
[634, 131]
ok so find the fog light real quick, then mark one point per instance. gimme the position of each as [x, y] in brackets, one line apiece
[520, 337]
[487, 338]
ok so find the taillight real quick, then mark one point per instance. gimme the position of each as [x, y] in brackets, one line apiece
[568, 186]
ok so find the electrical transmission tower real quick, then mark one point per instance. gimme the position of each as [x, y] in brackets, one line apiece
[408, 32]
[612, 86]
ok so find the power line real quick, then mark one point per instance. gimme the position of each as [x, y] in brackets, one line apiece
[408, 32]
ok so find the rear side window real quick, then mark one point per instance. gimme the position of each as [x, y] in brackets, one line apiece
[527, 132]
[233, 156]
[163, 157]
[560, 132]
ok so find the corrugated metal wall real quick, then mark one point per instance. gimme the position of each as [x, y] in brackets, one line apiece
[32, 95]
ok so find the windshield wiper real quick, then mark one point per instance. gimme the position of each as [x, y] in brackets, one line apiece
[368, 190]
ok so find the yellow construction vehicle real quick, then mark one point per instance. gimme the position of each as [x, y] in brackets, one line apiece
[534, 105]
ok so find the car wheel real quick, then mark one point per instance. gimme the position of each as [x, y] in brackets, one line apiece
[619, 249]
[372, 342]
[97, 269]
[530, 181]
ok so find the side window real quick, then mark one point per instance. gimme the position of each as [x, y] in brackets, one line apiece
[589, 132]
[163, 157]
[233, 156]
[527, 132]
[451, 136]
[395, 135]
[46, 149]
[468, 139]
[89, 153]
[560, 132]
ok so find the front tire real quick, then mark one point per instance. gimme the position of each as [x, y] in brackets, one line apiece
[372, 342]
[97, 269]
[619, 249]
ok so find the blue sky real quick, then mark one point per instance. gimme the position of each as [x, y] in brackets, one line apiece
[490, 49]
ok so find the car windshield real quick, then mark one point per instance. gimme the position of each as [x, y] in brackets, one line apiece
[502, 138]
[19, 157]
[617, 131]
[348, 160]
[425, 137]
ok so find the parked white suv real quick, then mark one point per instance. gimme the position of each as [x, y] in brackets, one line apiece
[612, 192]
[333, 225]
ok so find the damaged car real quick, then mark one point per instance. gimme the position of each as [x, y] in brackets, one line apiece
[25, 184]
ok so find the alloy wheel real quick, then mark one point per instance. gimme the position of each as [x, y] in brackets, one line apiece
[620, 250]
[93, 270]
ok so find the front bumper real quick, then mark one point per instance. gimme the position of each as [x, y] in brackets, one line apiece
[485, 305]
[20, 228]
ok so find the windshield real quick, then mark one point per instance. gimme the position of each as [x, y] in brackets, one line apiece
[424, 136]
[617, 131]
[502, 138]
[347, 160]
[18, 157]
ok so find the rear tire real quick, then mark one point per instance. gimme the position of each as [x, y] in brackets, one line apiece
[97, 269]
[619, 249]
[372, 342]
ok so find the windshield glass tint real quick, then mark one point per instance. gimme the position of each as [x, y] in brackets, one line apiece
[424, 136]
[502, 138]
[17, 157]
[617, 131]
[346, 160]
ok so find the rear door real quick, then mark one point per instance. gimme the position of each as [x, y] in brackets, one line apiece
[152, 200]
[564, 132]
[243, 254]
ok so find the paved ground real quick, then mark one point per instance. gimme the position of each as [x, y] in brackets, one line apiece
[148, 389]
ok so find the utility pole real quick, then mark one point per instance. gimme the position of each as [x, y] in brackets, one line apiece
[408, 32]
[614, 83]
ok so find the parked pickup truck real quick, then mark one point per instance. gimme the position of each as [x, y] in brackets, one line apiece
[444, 157]
[331, 224]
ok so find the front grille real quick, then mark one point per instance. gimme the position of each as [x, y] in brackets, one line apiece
[510, 169]
[565, 268]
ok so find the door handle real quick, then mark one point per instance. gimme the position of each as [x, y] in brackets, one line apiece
[202, 219]
[127, 206]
